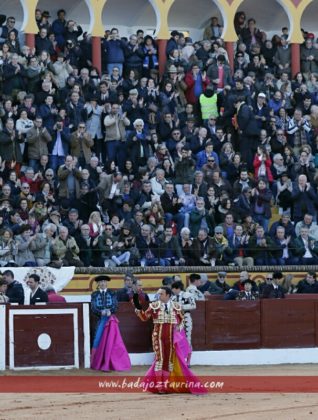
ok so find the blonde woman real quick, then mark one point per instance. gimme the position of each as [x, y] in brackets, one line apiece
[96, 226]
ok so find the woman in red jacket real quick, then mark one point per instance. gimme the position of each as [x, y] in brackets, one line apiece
[262, 165]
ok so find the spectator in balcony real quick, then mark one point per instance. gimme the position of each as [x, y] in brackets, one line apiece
[114, 50]
[200, 218]
[220, 74]
[37, 139]
[171, 205]
[274, 290]
[251, 35]
[65, 250]
[309, 284]
[304, 198]
[7, 247]
[7, 28]
[169, 248]
[261, 248]
[59, 26]
[239, 245]
[286, 223]
[148, 246]
[42, 43]
[42, 245]
[213, 30]
[81, 143]
[186, 247]
[25, 256]
[285, 254]
[304, 166]
[308, 222]
[261, 202]
[10, 141]
[309, 57]
[306, 248]
[196, 82]
[69, 177]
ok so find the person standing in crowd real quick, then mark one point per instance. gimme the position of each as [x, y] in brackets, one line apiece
[109, 351]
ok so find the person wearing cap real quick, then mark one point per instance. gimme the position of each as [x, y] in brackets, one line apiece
[247, 293]
[221, 251]
[109, 351]
[261, 111]
[220, 286]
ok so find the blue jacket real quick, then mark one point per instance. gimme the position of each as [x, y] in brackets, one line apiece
[114, 51]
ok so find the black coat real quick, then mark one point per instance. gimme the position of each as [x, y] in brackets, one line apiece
[15, 293]
[40, 296]
[271, 293]
[10, 149]
[247, 122]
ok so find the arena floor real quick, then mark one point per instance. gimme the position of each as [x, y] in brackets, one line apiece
[245, 406]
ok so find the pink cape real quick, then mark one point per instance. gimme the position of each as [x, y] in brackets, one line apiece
[181, 379]
[111, 353]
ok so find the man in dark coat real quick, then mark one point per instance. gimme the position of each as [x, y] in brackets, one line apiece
[15, 290]
[248, 131]
[37, 294]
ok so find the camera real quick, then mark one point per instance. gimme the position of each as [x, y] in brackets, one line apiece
[59, 125]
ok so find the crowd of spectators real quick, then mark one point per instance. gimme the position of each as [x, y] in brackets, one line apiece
[130, 168]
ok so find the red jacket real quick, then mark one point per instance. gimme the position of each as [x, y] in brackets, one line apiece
[190, 82]
[55, 298]
[268, 163]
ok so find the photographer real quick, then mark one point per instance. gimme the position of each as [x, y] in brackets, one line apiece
[59, 147]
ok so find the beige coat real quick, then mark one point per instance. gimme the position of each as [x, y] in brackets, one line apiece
[37, 142]
[87, 143]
